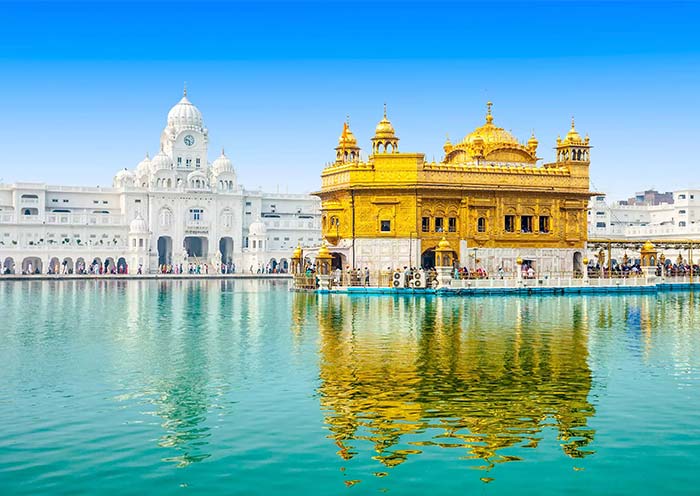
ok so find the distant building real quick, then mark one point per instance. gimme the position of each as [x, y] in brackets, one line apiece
[676, 218]
[174, 208]
[647, 198]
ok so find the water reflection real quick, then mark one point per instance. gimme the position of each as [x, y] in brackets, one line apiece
[448, 373]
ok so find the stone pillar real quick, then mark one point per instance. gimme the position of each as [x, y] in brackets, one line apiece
[585, 271]
[519, 270]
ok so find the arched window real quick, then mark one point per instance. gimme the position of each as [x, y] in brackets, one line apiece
[166, 217]
[227, 218]
[481, 224]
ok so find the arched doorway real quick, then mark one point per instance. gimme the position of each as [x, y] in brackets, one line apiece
[121, 266]
[578, 266]
[338, 261]
[165, 250]
[110, 266]
[54, 266]
[32, 265]
[67, 266]
[8, 266]
[427, 258]
[272, 264]
[96, 265]
[80, 266]
[196, 246]
[284, 266]
[226, 249]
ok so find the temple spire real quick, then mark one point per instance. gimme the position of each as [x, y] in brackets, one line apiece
[184, 90]
[489, 117]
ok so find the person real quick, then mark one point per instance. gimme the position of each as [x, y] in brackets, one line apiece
[500, 272]
[406, 276]
[530, 272]
[366, 276]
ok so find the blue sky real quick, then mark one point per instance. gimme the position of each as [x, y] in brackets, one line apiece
[87, 85]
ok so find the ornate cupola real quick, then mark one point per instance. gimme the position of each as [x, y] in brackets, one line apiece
[347, 150]
[384, 139]
[573, 148]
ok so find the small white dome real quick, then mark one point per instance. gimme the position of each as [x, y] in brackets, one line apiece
[161, 161]
[144, 166]
[222, 164]
[257, 228]
[124, 178]
[138, 225]
[184, 115]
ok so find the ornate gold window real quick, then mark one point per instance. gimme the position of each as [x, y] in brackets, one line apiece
[526, 223]
[481, 224]
[544, 223]
[509, 224]
[425, 224]
[385, 225]
[452, 224]
[439, 224]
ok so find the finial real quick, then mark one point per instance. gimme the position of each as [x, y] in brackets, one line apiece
[447, 136]
[347, 119]
[385, 110]
[222, 151]
[489, 117]
[184, 91]
[148, 156]
[572, 122]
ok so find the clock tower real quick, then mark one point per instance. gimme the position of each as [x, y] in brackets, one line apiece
[185, 139]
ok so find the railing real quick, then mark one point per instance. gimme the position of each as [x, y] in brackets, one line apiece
[197, 225]
[302, 281]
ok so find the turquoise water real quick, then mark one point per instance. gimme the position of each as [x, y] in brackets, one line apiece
[241, 387]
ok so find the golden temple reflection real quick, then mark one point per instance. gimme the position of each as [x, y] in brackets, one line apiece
[442, 373]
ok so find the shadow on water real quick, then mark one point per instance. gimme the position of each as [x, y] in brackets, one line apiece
[404, 375]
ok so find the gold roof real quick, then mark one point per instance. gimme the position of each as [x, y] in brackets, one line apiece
[648, 246]
[491, 142]
[297, 252]
[347, 139]
[444, 245]
[384, 128]
[489, 133]
[572, 136]
[323, 251]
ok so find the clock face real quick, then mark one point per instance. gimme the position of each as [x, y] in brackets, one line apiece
[189, 140]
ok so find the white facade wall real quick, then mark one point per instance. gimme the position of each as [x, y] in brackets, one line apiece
[174, 208]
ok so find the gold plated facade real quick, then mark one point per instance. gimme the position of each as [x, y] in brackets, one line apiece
[489, 191]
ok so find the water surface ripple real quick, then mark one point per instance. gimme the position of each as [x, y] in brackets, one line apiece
[242, 387]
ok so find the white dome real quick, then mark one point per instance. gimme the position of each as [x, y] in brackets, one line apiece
[124, 178]
[257, 228]
[222, 164]
[144, 166]
[161, 161]
[138, 225]
[184, 115]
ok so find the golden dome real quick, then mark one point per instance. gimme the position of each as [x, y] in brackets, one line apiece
[347, 139]
[489, 133]
[532, 142]
[648, 246]
[444, 245]
[384, 128]
[297, 252]
[572, 136]
[323, 251]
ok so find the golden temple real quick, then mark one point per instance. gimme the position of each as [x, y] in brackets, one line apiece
[488, 196]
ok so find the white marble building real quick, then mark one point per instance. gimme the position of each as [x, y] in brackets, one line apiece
[174, 208]
[679, 220]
